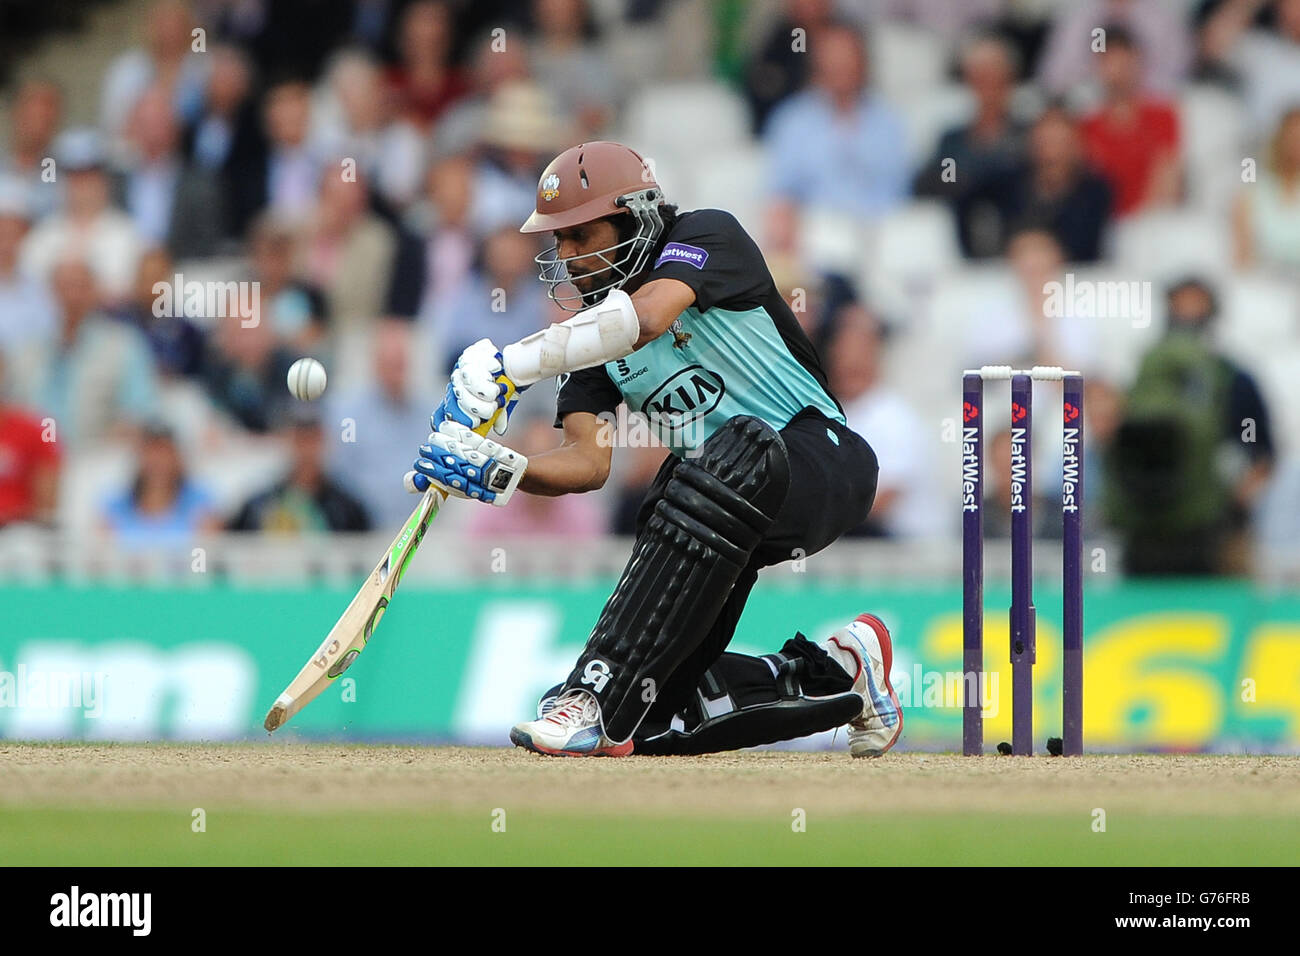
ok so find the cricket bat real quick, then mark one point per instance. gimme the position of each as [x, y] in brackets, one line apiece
[350, 634]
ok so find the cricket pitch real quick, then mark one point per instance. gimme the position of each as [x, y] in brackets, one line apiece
[292, 803]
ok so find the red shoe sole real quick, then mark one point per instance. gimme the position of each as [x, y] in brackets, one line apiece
[527, 743]
[887, 658]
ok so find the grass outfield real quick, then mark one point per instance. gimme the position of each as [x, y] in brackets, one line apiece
[330, 805]
[245, 837]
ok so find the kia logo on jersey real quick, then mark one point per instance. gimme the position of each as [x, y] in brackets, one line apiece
[689, 395]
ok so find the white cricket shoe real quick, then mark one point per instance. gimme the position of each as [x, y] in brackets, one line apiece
[570, 727]
[866, 642]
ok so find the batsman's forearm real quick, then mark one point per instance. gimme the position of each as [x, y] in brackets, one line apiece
[594, 336]
[565, 470]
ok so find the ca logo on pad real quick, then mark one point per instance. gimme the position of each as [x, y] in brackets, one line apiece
[597, 674]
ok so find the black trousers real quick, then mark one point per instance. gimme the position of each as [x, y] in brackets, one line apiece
[833, 477]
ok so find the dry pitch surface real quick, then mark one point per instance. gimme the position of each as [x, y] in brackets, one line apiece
[323, 804]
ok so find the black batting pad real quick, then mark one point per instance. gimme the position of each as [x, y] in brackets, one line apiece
[713, 513]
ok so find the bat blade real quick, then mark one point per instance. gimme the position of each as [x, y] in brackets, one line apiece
[350, 634]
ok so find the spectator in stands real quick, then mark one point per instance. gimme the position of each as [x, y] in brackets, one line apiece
[836, 144]
[293, 36]
[988, 149]
[492, 67]
[29, 462]
[1194, 450]
[570, 65]
[1266, 217]
[287, 176]
[244, 370]
[1133, 138]
[88, 225]
[347, 251]
[36, 118]
[96, 377]
[167, 59]
[1055, 189]
[173, 203]
[425, 79]
[576, 517]
[226, 117]
[307, 499]
[163, 507]
[522, 129]
[359, 124]
[1161, 29]
[502, 298]
[1218, 25]
[1193, 305]
[780, 66]
[907, 504]
[1264, 60]
[296, 309]
[26, 310]
[450, 243]
[227, 138]
[382, 416]
[174, 341]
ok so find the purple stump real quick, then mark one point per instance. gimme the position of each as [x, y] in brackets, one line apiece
[1072, 560]
[1022, 568]
[972, 562]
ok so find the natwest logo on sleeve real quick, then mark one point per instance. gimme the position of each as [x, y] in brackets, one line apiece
[681, 252]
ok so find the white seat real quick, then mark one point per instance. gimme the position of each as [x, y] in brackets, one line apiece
[831, 240]
[241, 470]
[1211, 123]
[908, 251]
[678, 181]
[945, 335]
[1278, 376]
[732, 179]
[1213, 145]
[1165, 244]
[906, 59]
[960, 293]
[931, 113]
[89, 477]
[680, 121]
[1260, 316]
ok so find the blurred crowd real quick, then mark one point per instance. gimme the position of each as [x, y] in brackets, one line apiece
[364, 166]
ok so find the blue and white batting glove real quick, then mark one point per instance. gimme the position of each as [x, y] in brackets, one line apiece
[477, 389]
[467, 465]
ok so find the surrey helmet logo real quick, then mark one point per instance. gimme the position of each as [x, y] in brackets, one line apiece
[550, 187]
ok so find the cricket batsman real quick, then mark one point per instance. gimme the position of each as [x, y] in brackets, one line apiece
[677, 316]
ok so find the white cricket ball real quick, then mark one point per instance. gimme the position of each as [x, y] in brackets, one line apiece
[307, 379]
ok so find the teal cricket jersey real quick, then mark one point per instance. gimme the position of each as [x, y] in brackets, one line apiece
[737, 351]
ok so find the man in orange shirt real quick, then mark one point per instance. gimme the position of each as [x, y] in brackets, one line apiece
[1133, 138]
